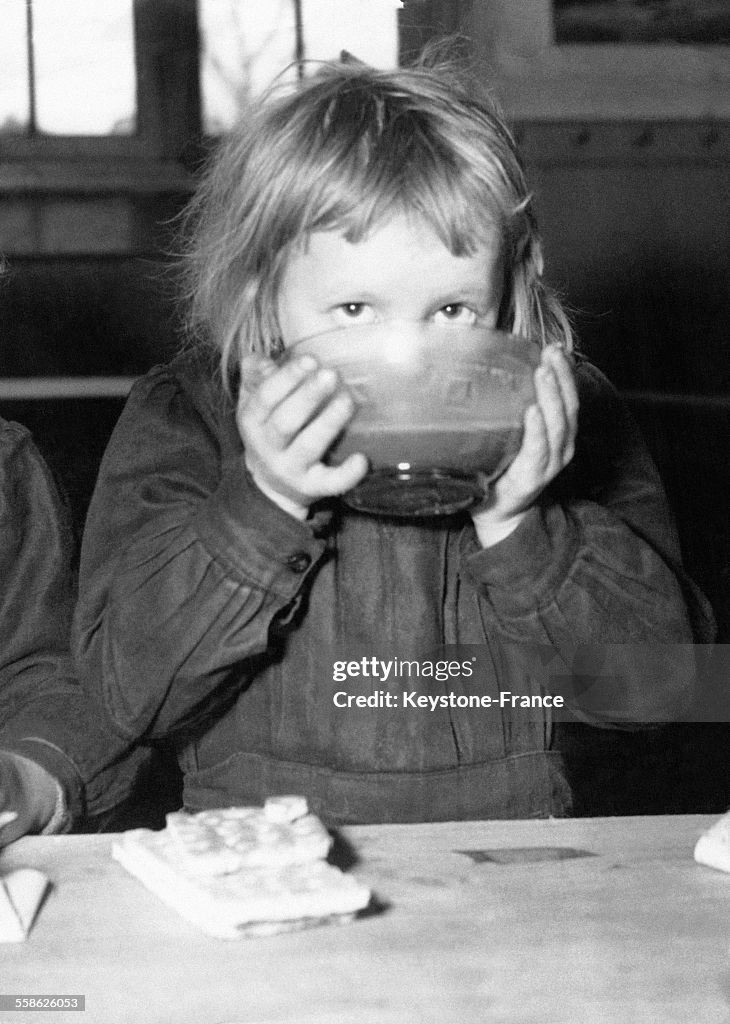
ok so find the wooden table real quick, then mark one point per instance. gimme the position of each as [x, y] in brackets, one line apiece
[635, 932]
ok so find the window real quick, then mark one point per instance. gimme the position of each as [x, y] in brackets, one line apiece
[69, 68]
[103, 109]
[101, 117]
[98, 97]
[244, 46]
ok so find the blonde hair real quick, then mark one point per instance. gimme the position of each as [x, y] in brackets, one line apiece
[345, 149]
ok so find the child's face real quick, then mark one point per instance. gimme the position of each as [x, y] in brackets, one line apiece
[401, 271]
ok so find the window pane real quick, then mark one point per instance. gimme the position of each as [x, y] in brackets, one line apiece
[14, 98]
[84, 63]
[368, 29]
[245, 44]
[244, 47]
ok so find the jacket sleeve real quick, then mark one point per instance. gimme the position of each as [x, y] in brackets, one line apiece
[43, 713]
[184, 566]
[597, 561]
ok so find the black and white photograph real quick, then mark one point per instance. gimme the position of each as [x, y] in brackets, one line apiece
[364, 511]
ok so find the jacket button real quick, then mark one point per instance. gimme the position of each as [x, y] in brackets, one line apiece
[299, 562]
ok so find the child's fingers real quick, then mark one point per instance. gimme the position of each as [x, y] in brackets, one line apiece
[516, 487]
[560, 433]
[566, 382]
[275, 387]
[534, 455]
[255, 368]
[550, 401]
[547, 443]
[326, 481]
[301, 406]
[311, 443]
[530, 462]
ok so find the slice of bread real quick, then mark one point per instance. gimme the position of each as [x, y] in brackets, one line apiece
[713, 846]
[244, 870]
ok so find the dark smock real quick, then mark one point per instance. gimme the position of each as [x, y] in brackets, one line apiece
[210, 616]
[44, 714]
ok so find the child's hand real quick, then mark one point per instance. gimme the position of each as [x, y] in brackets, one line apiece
[547, 447]
[288, 417]
[27, 797]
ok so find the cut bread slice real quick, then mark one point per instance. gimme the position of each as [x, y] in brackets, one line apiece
[243, 870]
[713, 846]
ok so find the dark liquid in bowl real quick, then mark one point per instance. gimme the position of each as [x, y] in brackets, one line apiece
[433, 447]
[426, 471]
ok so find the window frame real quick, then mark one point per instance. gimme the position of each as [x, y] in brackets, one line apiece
[159, 155]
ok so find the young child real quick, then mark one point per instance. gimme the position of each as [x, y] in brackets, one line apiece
[220, 571]
[55, 761]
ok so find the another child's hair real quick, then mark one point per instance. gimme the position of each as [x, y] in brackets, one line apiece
[347, 148]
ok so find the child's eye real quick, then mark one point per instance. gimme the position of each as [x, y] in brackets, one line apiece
[456, 313]
[355, 311]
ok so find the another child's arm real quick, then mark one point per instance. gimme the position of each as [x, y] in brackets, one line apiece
[29, 796]
[55, 759]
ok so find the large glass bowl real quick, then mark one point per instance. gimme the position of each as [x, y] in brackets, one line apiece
[436, 405]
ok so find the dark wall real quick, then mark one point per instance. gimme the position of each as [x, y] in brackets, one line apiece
[85, 316]
[77, 318]
[642, 255]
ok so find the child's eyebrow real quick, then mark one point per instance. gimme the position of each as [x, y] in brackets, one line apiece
[475, 291]
[347, 292]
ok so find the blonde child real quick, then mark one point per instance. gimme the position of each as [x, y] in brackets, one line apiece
[220, 570]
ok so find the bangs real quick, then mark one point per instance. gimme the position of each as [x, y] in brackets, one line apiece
[460, 212]
[364, 155]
